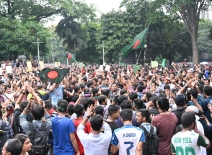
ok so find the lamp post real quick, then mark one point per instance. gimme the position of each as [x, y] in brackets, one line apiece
[38, 47]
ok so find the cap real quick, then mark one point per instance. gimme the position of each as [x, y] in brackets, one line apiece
[188, 118]
[210, 102]
[9, 107]
[180, 99]
[192, 108]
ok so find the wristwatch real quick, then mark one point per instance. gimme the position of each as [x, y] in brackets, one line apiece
[88, 117]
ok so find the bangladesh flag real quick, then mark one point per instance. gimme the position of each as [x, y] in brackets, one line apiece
[136, 43]
[71, 57]
[53, 75]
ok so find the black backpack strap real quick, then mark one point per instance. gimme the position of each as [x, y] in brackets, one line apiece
[145, 131]
[151, 129]
[31, 126]
[43, 127]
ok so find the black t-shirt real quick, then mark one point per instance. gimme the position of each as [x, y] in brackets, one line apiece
[178, 113]
[113, 127]
[154, 111]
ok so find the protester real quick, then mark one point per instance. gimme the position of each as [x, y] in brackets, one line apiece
[128, 139]
[12, 147]
[186, 141]
[181, 85]
[95, 142]
[26, 145]
[63, 129]
[165, 124]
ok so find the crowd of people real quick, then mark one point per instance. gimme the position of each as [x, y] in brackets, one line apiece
[113, 111]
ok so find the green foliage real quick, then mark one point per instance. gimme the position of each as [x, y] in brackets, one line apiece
[17, 37]
[204, 42]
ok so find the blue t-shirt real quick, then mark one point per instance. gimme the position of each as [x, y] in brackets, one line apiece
[56, 95]
[62, 127]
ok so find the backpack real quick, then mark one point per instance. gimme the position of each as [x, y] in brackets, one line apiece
[38, 138]
[3, 136]
[150, 146]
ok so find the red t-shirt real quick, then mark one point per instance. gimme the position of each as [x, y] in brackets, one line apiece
[87, 130]
[166, 125]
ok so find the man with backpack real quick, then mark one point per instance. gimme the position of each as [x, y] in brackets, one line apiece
[5, 131]
[150, 147]
[38, 130]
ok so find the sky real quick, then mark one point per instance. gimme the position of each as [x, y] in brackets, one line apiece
[101, 5]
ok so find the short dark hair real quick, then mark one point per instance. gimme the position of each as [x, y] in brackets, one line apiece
[99, 110]
[23, 105]
[166, 87]
[113, 109]
[84, 101]
[140, 88]
[105, 92]
[145, 113]
[163, 103]
[96, 122]
[91, 101]
[207, 90]
[37, 111]
[48, 104]
[62, 106]
[194, 93]
[14, 146]
[154, 100]
[126, 114]
[120, 99]
[79, 109]
[148, 95]
[76, 89]
[126, 104]
[200, 87]
[133, 95]
[21, 137]
[123, 91]
[138, 103]
[101, 99]
[70, 109]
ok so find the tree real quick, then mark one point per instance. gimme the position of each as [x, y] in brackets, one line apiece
[204, 41]
[189, 12]
[70, 31]
[33, 9]
[17, 37]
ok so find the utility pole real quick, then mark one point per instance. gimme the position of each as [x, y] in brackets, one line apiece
[38, 47]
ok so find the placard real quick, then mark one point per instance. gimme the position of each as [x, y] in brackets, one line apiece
[29, 66]
[41, 63]
[154, 64]
[9, 69]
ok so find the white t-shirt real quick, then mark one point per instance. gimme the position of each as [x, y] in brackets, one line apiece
[188, 142]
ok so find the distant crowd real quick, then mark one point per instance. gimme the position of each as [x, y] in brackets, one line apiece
[106, 110]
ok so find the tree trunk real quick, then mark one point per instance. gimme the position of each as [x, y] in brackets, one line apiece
[69, 48]
[195, 58]
[75, 53]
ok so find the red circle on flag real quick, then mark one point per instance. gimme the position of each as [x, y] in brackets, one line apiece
[52, 74]
[69, 56]
[136, 44]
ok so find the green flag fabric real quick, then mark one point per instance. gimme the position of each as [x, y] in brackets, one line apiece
[136, 43]
[53, 75]
[136, 68]
[71, 57]
[163, 63]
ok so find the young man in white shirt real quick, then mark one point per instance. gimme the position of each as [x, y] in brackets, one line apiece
[129, 138]
[96, 142]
